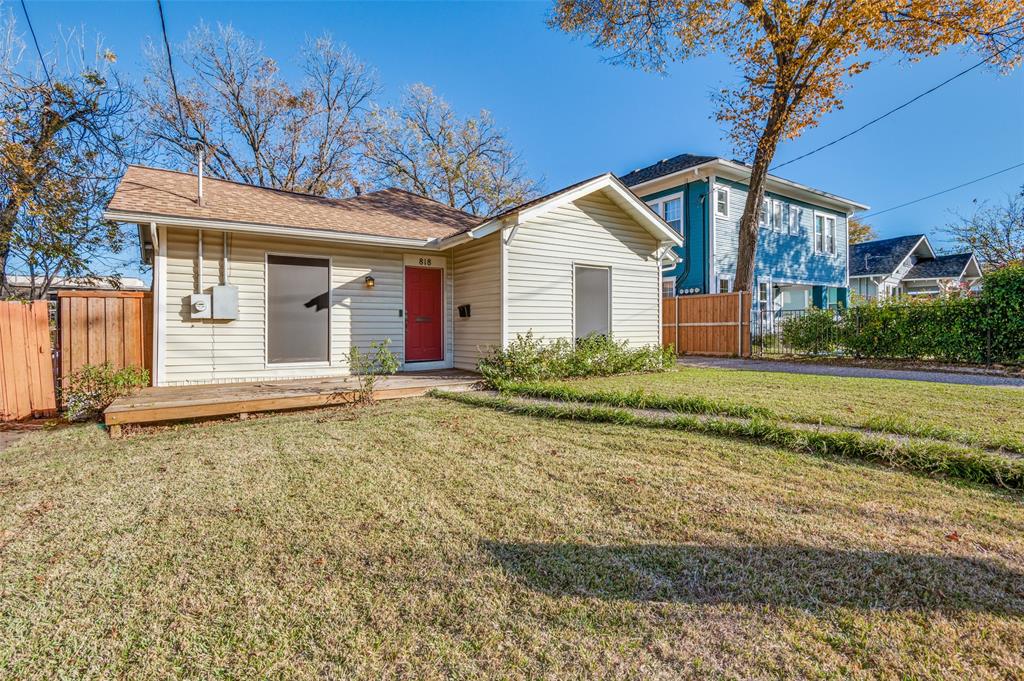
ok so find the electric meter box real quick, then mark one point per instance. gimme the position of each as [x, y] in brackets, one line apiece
[200, 306]
[225, 302]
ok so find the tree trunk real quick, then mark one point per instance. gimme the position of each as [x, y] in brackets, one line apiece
[763, 155]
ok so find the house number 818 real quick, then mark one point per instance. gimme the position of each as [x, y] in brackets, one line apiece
[425, 261]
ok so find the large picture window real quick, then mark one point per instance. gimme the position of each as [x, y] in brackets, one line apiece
[298, 309]
[593, 300]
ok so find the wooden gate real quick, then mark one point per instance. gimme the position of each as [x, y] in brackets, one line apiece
[26, 361]
[105, 326]
[713, 324]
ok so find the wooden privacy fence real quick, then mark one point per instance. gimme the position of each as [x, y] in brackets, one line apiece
[26, 361]
[105, 326]
[713, 324]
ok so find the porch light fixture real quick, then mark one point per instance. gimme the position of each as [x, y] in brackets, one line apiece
[369, 281]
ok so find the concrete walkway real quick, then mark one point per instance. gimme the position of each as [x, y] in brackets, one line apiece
[852, 371]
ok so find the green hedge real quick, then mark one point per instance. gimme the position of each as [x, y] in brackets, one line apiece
[970, 329]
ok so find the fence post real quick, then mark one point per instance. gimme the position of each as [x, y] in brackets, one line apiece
[739, 324]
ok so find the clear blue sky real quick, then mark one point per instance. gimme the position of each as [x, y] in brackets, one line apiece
[574, 115]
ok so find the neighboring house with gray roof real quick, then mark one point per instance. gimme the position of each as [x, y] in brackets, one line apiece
[908, 265]
[801, 258]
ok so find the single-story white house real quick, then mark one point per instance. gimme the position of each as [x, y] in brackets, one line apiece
[251, 283]
[908, 265]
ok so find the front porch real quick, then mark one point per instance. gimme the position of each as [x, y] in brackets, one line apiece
[174, 403]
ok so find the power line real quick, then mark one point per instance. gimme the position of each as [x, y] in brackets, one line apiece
[170, 63]
[898, 108]
[944, 191]
[35, 40]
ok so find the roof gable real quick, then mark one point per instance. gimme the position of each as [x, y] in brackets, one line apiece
[607, 184]
[950, 266]
[882, 256]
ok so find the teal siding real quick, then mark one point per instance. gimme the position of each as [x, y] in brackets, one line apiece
[692, 271]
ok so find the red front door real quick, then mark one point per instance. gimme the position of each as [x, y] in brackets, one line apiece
[424, 314]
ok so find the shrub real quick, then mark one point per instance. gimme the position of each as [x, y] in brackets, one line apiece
[816, 332]
[91, 389]
[1002, 294]
[530, 359]
[369, 366]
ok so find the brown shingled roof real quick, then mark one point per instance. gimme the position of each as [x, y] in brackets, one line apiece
[390, 212]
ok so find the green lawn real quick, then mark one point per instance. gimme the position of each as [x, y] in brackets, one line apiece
[429, 539]
[983, 414]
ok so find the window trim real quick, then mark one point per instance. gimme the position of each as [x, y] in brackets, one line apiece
[611, 299]
[826, 248]
[267, 364]
[720, 279]
[728, 198]
[656, 206]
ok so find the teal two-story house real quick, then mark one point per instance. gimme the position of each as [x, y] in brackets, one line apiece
[802, 251]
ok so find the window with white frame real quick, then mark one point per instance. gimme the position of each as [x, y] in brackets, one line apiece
[671, 210]
[724, 285]
[777, 223]
[762, 217]
[722, 202]
[668, 288]
[794, 220]
[763, 294]
[825, 234]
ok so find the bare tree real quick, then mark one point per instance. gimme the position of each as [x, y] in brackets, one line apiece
[994, 233]
[65, 134]
[254, 126]
[424, 147]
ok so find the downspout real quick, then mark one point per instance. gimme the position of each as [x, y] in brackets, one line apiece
[157, 263]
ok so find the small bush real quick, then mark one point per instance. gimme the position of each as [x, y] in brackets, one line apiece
[814, 332]
[369, 366]
[530, 359]
[91, 389]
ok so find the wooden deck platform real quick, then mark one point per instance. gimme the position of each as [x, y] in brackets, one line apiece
[173, 403]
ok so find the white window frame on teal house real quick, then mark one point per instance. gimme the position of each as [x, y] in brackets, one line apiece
[825, 239]
[658, 206]
[728, 284]
[720, 193]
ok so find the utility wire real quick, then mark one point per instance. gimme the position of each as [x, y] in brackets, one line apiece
[944, 191]
[898, 108]
[170, 63]
[35, 40]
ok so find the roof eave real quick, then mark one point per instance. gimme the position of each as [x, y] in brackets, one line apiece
[844, 204]
[272, 230]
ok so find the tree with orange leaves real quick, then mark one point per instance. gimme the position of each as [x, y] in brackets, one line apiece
[796, 58]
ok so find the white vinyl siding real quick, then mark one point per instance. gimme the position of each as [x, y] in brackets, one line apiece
[477, 279]
[214, 351]
[591, 231]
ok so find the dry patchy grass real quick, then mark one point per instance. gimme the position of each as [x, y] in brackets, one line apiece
[429, 539]
[986, 415]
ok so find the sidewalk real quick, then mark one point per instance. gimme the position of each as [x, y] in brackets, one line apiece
[852, 371]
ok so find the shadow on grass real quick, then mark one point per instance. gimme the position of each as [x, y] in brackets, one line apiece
[787, 575]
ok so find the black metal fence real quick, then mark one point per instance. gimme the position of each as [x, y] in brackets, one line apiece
[854, 332]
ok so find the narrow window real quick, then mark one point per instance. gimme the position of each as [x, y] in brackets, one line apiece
[673, 214]
[819, 233]
[724, 285]
[794, 220]
[668, 288]
[593, 300]
[722, 203]
[763, 215]
[777, 216]
[298, 309]
[830, 233]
